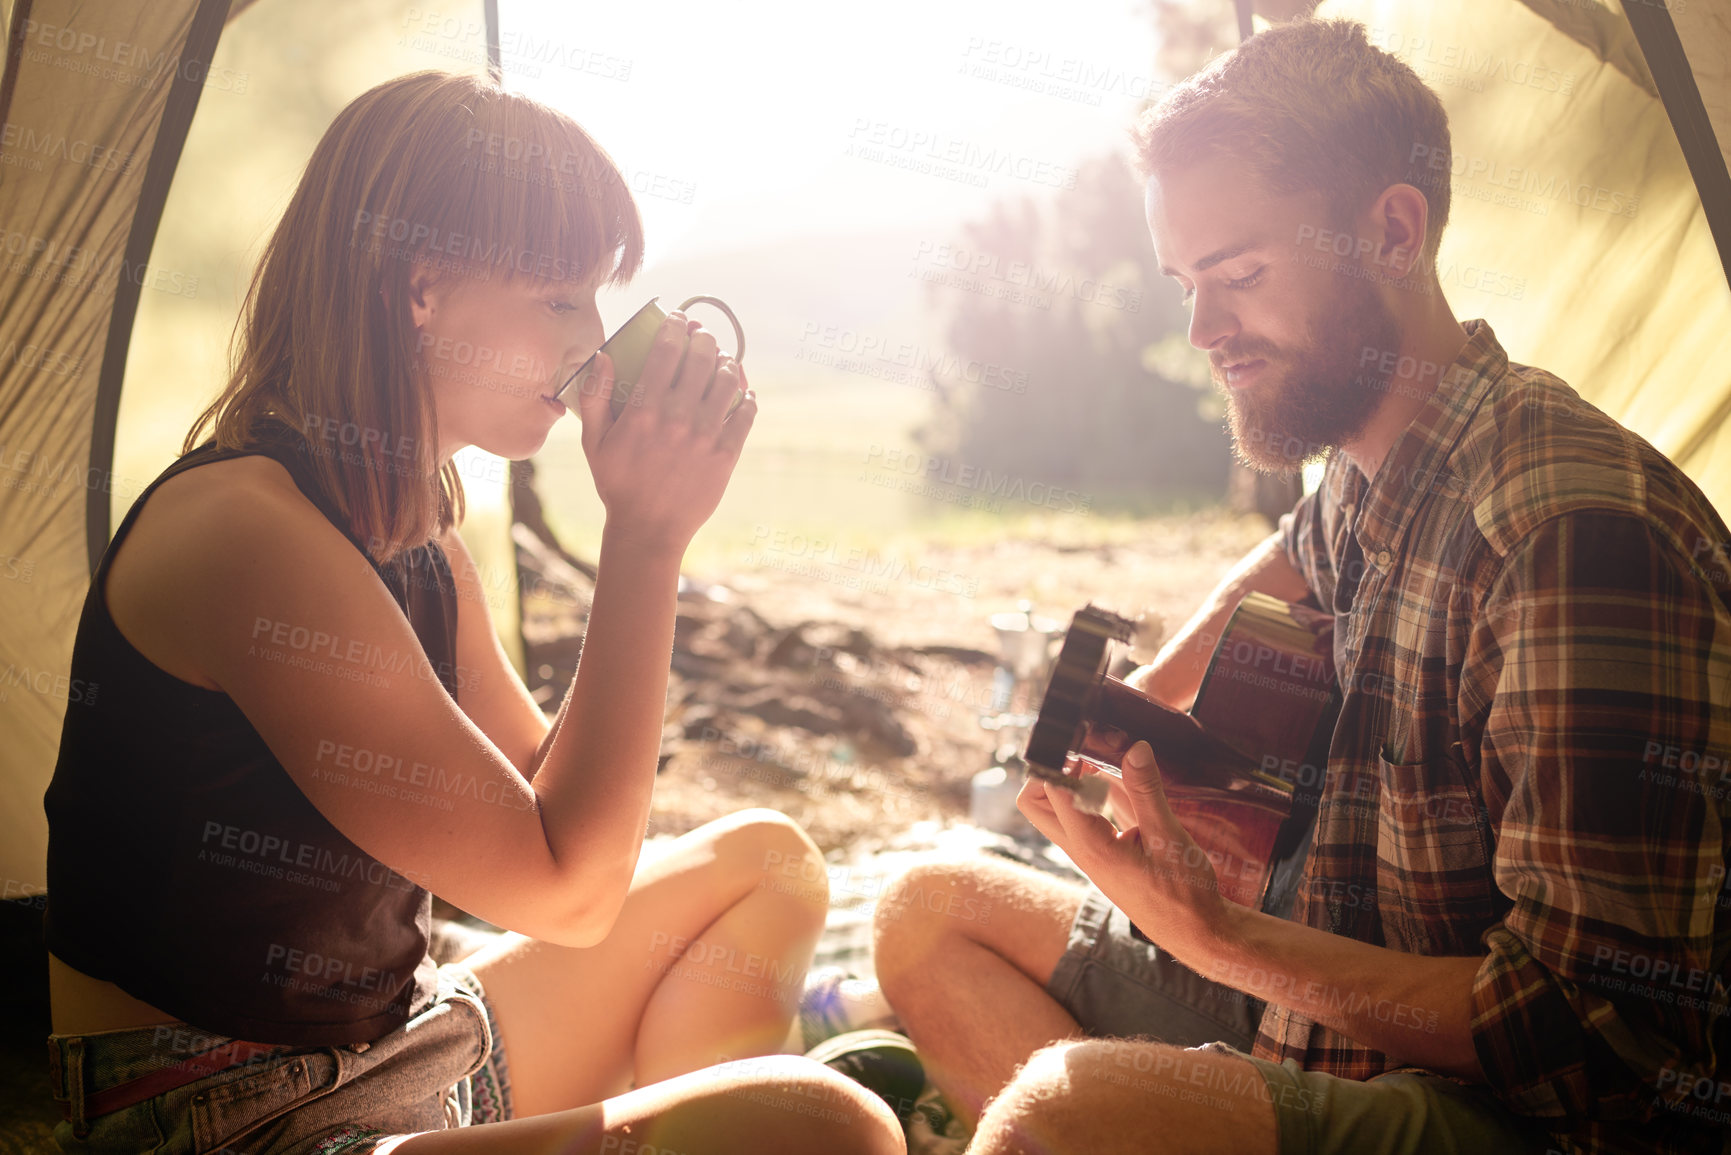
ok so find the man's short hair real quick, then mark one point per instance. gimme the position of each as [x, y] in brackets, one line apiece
[1311, 106]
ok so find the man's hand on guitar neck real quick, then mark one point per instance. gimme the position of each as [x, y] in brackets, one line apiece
[1415, 1008]
[1106, 744]
[1174, 676]
[1153, 861]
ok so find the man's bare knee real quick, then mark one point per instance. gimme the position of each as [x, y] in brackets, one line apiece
[925, 902]
[1029, 1105]
[1066, 1089]
[1091, 1092]
[1019, 914]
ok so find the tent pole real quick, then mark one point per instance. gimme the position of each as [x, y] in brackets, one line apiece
[1669, 64]
[495, 61]
[14, 56]
[1246, 26]
[192, 65]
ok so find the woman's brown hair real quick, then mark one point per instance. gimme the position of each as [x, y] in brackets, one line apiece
[443, 171]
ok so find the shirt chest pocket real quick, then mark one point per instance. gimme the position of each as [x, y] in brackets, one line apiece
[1434, 856]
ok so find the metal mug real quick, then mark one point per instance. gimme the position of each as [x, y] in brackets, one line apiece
[629, 348]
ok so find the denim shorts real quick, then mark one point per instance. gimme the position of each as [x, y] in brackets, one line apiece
[443, 1068]
[1118, 986]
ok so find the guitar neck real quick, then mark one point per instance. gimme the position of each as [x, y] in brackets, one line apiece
[1268, 694]
[1185, 749]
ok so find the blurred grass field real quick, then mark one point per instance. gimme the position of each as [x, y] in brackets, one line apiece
[815, 468]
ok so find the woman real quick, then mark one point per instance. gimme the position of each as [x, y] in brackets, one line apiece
[307, 723]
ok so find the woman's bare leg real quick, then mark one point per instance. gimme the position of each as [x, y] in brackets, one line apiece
[705, 963]
[777, 1105]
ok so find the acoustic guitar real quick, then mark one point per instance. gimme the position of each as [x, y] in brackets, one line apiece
[1242, 768]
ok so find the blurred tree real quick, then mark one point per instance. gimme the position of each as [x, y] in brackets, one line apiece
[1190, 33]
[1068, 293]
[1116, 398]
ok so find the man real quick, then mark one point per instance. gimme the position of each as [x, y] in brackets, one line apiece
[1512, 929]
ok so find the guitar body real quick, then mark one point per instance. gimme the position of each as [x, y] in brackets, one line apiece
[1230, 765]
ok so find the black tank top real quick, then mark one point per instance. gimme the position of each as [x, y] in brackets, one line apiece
[187, 868]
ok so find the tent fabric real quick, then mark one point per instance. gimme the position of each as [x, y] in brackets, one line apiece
[1575, 226]
[97, 101]
[1603, 31]
[196, 51]
[1578, 228]
[84, 158]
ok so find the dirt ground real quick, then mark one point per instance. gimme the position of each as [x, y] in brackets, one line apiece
[853, 703]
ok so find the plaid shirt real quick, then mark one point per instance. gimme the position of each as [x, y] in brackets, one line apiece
[1533, 759]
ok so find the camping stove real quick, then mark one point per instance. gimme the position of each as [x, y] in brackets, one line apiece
[1025, 643]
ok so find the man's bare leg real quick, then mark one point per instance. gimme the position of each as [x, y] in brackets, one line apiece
[963, 953]
[1128, 1097]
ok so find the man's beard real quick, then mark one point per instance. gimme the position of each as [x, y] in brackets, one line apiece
[1314, 398]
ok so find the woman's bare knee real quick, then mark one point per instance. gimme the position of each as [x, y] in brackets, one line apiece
[772, 1104]
[768, 1106]
[798, 1105]
[770, 847]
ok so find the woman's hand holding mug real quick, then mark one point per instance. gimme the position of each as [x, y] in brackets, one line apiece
[662, 462]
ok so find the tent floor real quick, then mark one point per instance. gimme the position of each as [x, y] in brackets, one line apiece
[27, 1113]
[27, 1110]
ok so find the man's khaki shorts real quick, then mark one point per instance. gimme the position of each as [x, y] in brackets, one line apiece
[1118, 986]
